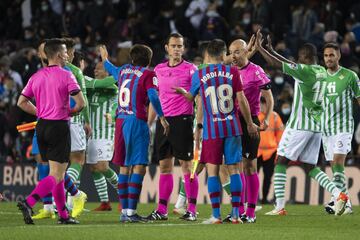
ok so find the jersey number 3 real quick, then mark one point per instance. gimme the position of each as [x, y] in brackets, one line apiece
[220, 98]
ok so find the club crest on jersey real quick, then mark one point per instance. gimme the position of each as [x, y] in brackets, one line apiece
[155, 81]
[293, 66]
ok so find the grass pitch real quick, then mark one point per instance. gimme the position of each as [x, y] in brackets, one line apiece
[303, 222]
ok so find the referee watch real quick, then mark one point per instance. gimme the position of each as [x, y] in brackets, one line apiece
[199, 126]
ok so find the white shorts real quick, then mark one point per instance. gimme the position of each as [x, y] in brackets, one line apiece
[78, 137]
[99, 150]
[336, 144]
[300, 145]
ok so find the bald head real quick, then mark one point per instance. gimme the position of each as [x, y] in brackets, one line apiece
[238, 52]
[238, 43]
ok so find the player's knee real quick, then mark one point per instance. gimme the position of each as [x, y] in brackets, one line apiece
[166, 168]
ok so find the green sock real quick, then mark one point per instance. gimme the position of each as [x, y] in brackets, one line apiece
[323, 180]
[226, 187]
[74, 172]
[279, 185]
[182, 189]
[111, 177]
[339, 178]
[101, 186]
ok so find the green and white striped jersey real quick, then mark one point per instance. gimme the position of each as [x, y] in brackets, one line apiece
[341, 89]
[84, 115]
[308, 96]
[102, 101]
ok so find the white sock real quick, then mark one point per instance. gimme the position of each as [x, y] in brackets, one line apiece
[180, 203]
[280, 203]
[124, 211]
[48, 207]
[131, 212]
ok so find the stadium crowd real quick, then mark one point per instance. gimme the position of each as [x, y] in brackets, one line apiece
[121, 23]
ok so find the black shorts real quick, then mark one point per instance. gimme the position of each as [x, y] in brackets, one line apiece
[180, 142]
[53, 137]
[249, 145]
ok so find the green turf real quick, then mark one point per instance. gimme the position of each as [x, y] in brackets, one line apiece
[303, 222]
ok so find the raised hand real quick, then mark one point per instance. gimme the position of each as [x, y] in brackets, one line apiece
[269, 43]
[103, 52]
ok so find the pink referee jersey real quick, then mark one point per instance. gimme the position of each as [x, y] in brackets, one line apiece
[174, 104]
[51, 87]
[253, 78]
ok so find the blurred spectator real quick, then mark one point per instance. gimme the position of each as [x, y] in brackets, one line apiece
[213, 25]
[196, 11]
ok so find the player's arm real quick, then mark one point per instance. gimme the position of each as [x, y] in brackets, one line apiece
[155, 102]
[100, 83]
[86, 111]
[26, 105]
[267, 94]
[194, 89]
[273, 52]
[269, 58]
[245, 111]
[79, 99]
[109, 67]
[24, 100]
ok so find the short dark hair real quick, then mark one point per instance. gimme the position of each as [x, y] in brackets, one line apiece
[216, 48]
[69, 42]
[332, 45]
[173, 35]
[53, 46]
[141, 55]
[203, 48]
[78, 56]
[309, 50]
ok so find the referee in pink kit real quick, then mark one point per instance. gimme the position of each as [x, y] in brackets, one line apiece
[51, 87]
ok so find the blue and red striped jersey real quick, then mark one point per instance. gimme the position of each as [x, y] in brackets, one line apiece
[218, 85]
[133, 83]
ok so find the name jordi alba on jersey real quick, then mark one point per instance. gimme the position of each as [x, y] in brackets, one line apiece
[218, 85]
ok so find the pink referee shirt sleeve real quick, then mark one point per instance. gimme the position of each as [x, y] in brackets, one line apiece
[27, 91]
[261, 77]
[72, 84]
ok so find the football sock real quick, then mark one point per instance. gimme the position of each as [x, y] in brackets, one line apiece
[214, 188]
[192, 189]
[101, 186]
[166, 183]
[279, 185]
[324, 181]
[181, 201]
[41, 190]
[123, 191]
[226, 187]
[339, 178]
[243, 194]
[111, 177]
[74, 172]
[252, 191]
[235, 188]
[70, 186]
[134, 190]
[59, 197]
[43, 171]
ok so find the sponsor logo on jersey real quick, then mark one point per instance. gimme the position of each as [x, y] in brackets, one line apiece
[229, 117]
